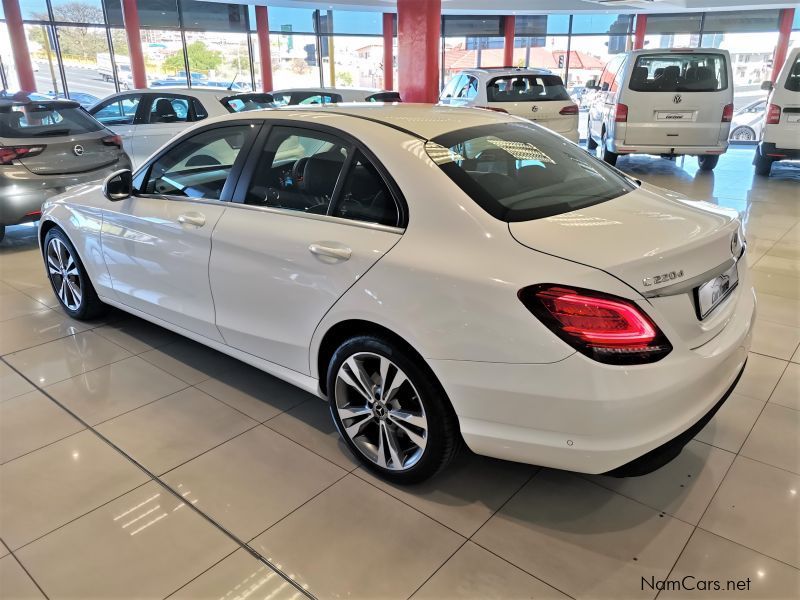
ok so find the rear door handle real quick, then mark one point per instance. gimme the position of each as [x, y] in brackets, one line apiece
[192, 218]
[331, 251]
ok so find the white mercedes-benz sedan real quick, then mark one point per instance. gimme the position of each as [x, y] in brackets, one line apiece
[437, 274]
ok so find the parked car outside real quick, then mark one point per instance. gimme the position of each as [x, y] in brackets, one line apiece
[46, 146]
[428, 270]
[667, 102]
[323, 95]
[534, 94]
[147, 119]
[780, 136]
[747, 122]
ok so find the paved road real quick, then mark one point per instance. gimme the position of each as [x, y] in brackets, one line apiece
[78, 80]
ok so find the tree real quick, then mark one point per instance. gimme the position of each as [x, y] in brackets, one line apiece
[344, 78]
[201, 59]
[83, 43]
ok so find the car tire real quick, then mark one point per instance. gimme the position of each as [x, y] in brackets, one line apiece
[743, 133]
[590, 143]
[404, 435]
[707, 162]
[68, 277]
[605, 154]
[763, 164]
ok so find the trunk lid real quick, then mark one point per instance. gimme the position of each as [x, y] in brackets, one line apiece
[644, 234]
[73, 154]
[545, 113]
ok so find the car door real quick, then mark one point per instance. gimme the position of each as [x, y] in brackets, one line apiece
[306, 230]
[120, 114]
[156, 244]
[163, 117]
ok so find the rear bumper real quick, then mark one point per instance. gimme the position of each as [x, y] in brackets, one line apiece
[584, 416]
[771, 150]
[620, 147]
[22, 192]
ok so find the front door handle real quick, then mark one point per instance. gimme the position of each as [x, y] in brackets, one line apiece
[192, 218]
[331, 251]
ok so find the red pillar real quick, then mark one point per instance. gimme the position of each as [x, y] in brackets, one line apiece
[19, 46]
[418, 31]
[388, 54]
[265, 54]
[509, 23]
[639, 31]
[784, 31]
[130, 17]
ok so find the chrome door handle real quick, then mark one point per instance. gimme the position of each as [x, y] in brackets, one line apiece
[341, 253]
[192, 218]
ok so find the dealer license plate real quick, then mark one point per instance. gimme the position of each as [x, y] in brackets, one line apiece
[712, 292]
[673, 116]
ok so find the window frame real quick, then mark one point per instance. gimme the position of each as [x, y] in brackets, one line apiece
[142, 174]
[137, 116]
[251, 166]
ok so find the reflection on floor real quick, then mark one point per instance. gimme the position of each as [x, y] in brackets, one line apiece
[246, 492]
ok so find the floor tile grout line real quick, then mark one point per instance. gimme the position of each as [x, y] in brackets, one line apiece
[24, 568]
[63, 337]
[199, 575]
[439, 568]
[741, 545]
[42, 447]
[191, 506]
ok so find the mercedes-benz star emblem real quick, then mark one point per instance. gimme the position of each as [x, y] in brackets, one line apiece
[677, 98]
[78, 150]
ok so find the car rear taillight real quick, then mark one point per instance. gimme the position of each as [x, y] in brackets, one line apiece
[494, 108]
[113, 140]
[773, 114]
[621, 113]
[572, 109]
[8, 154]
[727, 113]
[606, 328]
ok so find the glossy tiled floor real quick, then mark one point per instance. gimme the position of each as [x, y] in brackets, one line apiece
[140, 465]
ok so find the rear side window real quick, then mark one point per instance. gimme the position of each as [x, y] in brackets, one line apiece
[516, 172]
[44, 119]
[169, 109]
[526, 88]
[384, 97]
[679, 72]
[793, 80]
[365, 196]
[243, 102]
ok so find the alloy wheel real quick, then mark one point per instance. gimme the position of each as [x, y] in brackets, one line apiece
[64, 273]
[743, 134]
[381, 411]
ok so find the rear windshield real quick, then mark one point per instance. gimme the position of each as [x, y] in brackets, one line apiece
[679, 72]
[244, 102]
[526, 88]
[44, 120]
[793, 80]
[517, 172]
[384, 97]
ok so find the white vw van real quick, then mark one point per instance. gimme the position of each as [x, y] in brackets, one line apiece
[665, 102]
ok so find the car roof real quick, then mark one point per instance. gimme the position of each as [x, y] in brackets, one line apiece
[200, 93]
[679, 51]
[322, 90]
[502, 71]
[21, 99]
[424, 121]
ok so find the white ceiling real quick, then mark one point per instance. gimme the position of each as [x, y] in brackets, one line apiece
[522, 7]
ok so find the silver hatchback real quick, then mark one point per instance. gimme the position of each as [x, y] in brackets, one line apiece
[47, 146]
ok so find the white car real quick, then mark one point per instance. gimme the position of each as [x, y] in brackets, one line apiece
[438, 274]
[147, 119]
[324, 95]
[747, 122]
[534, 94]
[667, 102]
[780, 137]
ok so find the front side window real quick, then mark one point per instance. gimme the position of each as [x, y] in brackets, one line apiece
[298, 170]
[169, 109]
[121, 111]
[793, 80]
[199, 166]
[518, 173]
[45, 119]
[526, 88]
[244, 102]
[452, 86]
[679, 72]
[365, 196]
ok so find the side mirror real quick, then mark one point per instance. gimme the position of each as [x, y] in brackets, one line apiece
[766, 85]
[118, 185]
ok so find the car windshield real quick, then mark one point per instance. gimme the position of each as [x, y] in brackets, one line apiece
[526, 88]
[44, 119]
[793, 80]
[679, 72]
[518, 172]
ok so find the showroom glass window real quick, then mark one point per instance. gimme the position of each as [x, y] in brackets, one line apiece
[542, 41]
[469, 42]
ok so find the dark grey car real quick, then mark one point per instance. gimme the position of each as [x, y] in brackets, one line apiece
[45, 147]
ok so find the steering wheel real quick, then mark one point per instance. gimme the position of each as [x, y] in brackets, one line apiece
[298, 169]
